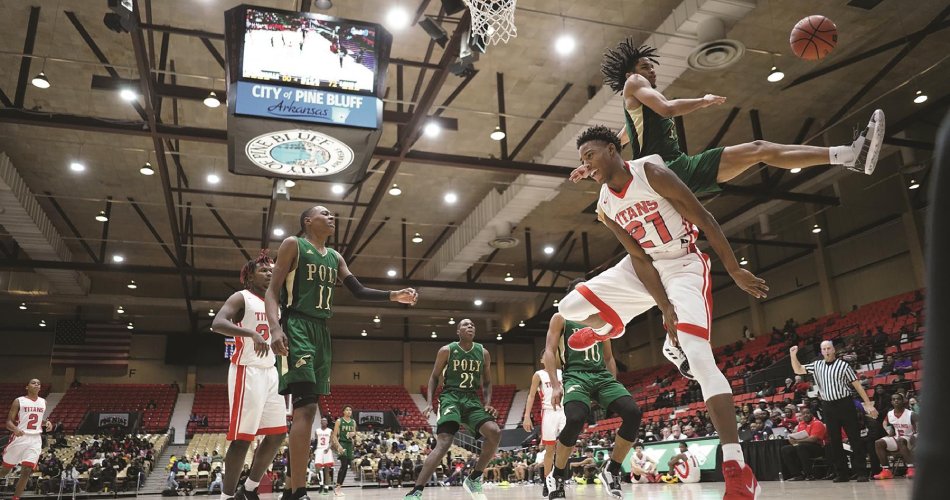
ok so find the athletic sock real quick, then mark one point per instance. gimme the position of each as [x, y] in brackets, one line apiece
[733, 451]
[604, 330]
[841, 155]
[561, 473]
[613, 467]
[475, 475]
[250, 485]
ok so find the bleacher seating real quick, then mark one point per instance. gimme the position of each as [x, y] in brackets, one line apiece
[65, 455]
[374, 397]
[211, 400]
[117, 398]
[11, 391]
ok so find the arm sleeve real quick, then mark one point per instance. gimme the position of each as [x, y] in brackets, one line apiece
[361, 292]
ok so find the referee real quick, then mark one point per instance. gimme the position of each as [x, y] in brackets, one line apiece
[835, 378]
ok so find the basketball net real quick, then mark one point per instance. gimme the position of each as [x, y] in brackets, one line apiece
[493, 20]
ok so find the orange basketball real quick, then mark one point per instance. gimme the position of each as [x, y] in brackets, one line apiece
[813, 38]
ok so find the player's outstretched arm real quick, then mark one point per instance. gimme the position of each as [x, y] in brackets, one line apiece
[551, 364]
[286, 263]
[639, 88]
[649, 276]
[441, 359]
[526, 424]
[669, 186]
[404, 296]
[225, 323]
[12, 417]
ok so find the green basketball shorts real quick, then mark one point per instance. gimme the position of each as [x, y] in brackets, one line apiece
[699, 171]
[463, 408]
[308, 362]
[587, 386]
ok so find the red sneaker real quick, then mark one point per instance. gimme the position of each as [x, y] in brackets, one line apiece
[741, 483]
[910, 473]
[886, 474]
[583, 339]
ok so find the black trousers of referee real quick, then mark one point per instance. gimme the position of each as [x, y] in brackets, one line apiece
[841, 413]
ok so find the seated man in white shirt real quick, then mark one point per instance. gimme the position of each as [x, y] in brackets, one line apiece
[642, 467]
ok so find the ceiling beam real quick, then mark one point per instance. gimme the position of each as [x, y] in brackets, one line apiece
[105, 230]
[907, 121]
[909, 143]
[540, 121]
[760, 192]
[560, 246]
[71, 226]
[723, 128]
[28, 41]
[432, 248]
[459, 161]
[151, 229]
[770, 243]
[227, 230]
[259, 196]
[369, 239]
[502, 120]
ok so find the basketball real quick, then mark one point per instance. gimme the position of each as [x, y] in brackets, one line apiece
[813, 38]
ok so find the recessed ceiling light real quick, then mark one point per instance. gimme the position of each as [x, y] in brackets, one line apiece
[450, 197]
[132, 285]
[337, 189]
[433, 335]
[497, 134]
[565, 44]
[212, 100]
[43, 323]
[395, 190]
[120, 310]
[210, 312]
[397, 19]
[40, 81]
[323, 4]
[451, 320]
[278, 231]
[432, 129]
[77, 167]
[289, 183]
[920, 97]
[509, 278]
[498, 337]
[130, 326]
[816, 229]
[118, 258]
[391, 273]
[913, 184]
[363, 333]
[548, 249]
[478, 302]
[102, 217]
[147, 169]
[213, 179]
[795, 170]
[743, 261]
[417, 238]
[521, 323]
[557, 302]
[775, 75]
[23, 306]
[376, 319]
[128, 95]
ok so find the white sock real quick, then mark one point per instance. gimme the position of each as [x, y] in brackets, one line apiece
[840, 155]
[604, 330]
[250, 485]
[733, 451]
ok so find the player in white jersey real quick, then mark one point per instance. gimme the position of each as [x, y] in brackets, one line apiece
[901, 439]
[323, 455]
[552, 419]
[642, 467]
[684, 467]
[256, 409]
[26, 424]
[651, 212]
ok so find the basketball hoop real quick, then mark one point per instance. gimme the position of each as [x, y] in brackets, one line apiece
[493, 20]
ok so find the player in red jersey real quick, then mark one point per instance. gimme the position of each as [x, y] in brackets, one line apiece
[25, 423]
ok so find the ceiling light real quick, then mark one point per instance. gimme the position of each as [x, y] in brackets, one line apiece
[432, 129]
[478, 302]
[775, 75]
[391, 273]
[337, 189]
[210, 312]
[23, 306]
[450, 197]
[795, 170]
[816, 229]
[147, 169]
[509, 278]
[77, 166]
[557, 302]
[395, 191]
[118, 258]
[128, 95]
[549, 249]
[397, 19]
[213, 179]
[43, 323]
[130, 326]
[363, 333]
[920, 97]
[120, 310]
[376, 319]
[498, 337]
[289, 183]
[521, 323]
[278, 231]
[497, 134]
[323, 4]
[433, 335]
[132, 285]
[101, 216]
[564, 44]
[212, 100]
[451, 320]
[913, 184]
[743, 261]
[417, 238]
[40, 81]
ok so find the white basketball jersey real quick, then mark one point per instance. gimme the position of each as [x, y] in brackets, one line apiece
[254, 319]
[902, 425]
[323, 438]
[688, 469]
[639, 461]
[646, 215]
[544, 389]
[30, 418]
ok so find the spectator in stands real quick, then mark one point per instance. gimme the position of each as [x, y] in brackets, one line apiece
[902, 310]
[888, 365]
[789, 386]
[802, 450]
[758, 433]
[109, 476]
[912, 404]
[765, 390]
[789, 421]
[675, 434]
[407, 469]
[903, 364]
[689, 432]
[584, 469]
[214, 478]
[383, 466]
[170, 483]
[776, 337]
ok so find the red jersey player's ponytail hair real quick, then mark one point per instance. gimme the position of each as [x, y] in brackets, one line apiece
[252, 265]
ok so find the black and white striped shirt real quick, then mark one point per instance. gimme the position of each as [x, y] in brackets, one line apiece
[834, 379]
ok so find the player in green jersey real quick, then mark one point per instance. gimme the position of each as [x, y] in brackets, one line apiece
[299, 301]
[464, 367]
[344, 430]
[650, 130]
[588, 375]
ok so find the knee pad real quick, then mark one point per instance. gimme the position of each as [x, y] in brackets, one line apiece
[702, 364]
[630, 413]
[575, 414]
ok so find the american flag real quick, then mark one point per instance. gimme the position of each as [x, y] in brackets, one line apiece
[80, 344]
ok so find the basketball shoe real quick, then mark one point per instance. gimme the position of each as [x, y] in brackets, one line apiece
[867, 146]
[676, 356]
[586, 337]
[740, 482]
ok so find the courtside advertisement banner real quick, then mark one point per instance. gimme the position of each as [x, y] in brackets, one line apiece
[704, 449]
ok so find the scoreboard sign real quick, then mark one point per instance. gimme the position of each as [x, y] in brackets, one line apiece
[303, 93]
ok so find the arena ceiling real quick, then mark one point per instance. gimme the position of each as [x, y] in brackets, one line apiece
[183, 240]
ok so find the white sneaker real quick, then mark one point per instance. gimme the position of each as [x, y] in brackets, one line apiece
[676, 356]
[867, 147]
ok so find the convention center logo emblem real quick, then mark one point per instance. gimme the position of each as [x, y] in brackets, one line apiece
[299, 152]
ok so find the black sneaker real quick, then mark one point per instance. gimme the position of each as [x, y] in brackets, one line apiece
[243, 493]
[610, 482]
[544, 490]
[557, 490]
[676, 356]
